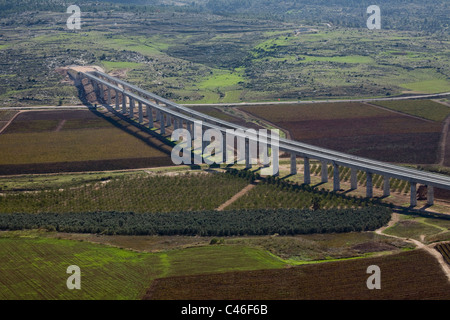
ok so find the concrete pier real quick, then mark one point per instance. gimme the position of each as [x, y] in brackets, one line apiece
[248, 164]
[306, 171]
[124, 103]
[161, 123]
[413, 195]
[293, 163]
[117, 101]
[353, 178]
[150, 117]
[324, 172]
[386, 187]
[141, 113]
[369, 185]
[430, 195]
[336, 179]
[131, 110]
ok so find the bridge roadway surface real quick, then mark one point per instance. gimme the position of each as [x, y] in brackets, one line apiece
[286, 145]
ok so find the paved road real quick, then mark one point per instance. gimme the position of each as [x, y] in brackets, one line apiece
[426, 96]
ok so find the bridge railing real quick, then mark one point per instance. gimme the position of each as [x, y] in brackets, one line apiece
[294, 148]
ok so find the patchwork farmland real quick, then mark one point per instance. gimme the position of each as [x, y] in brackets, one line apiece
[359, 129]
[75, 140]
[409, 275]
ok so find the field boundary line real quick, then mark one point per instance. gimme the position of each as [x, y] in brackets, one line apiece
[237, 196]
[10, 121]
[398, 112]
[60, 125]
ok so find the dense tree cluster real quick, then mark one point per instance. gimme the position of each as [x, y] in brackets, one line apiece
[205, 223]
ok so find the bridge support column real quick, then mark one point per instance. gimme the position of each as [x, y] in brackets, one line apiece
[293, 163]
[141, 113]
[161, 123]
[101, 92]
[413, 195]
[353, 178]
[168, 120]
[117, 100]
[124, 103]
[369, 185]
[158, 115]
[324, 172]
[189, 129]
[386, 187]
[150, 117]
[248, 165]
[336, 179]
[108, 91]
[306, 171]
[131, 115]
[95, 89]
[430, 195]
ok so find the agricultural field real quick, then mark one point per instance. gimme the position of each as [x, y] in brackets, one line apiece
[357, 129]
[421, 227]
[94, 189]
[58, 141]
[157, 260]
[426, 109]
[444, 249]
[107, 272]
[139, 193]
[409, 275]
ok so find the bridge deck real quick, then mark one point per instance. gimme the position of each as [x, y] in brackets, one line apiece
[285, 145]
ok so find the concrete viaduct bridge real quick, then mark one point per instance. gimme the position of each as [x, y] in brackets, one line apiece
[149, 109]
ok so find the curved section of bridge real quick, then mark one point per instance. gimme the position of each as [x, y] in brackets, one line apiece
[152, 109]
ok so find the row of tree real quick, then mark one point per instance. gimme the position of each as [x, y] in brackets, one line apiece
[205, 223]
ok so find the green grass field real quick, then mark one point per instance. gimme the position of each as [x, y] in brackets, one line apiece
[422, 229]
[35, 267]
[428, 86]
[426, 109]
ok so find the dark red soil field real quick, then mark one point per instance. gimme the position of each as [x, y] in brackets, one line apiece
[217, 113]
[358, 129]
[81, 166]
[413, 275]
